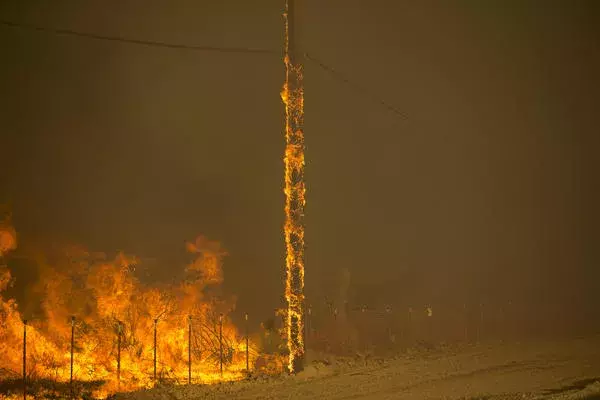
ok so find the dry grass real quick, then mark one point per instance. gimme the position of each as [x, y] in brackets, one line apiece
[560, 370]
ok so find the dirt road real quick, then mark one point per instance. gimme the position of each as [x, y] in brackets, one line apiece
[550, 369]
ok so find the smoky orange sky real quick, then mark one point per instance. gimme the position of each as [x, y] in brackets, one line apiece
[486, 187]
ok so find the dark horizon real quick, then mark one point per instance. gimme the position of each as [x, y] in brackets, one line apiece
[485, 188]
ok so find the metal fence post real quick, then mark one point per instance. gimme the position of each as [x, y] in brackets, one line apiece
[480, 325]
[247, 347]
[72, 347]
[221, 343]
[119, 329]
[24, 359]
[189, 349]
[155, 323]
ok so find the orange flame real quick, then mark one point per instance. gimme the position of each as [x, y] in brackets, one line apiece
[8, 237]
[115, 312]
[293, 99]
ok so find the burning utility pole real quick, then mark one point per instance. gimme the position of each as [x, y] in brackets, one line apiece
[293, 98]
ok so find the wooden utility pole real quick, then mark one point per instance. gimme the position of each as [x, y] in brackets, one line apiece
[293, 98]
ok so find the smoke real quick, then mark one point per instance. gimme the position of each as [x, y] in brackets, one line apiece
[342, 301]
[8, 242]
[8, 237]
[208, 262]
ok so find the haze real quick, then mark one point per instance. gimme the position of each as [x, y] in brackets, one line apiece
[484, 189]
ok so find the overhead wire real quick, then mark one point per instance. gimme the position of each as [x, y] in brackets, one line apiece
[335, 73]
[152, 43]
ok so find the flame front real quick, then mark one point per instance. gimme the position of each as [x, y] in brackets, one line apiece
[293, 98]
[114, 323]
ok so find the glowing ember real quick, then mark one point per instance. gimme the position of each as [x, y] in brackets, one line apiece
[293, 98]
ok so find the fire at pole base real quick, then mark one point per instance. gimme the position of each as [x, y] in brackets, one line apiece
[293, 98]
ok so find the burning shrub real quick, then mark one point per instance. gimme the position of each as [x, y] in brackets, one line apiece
[119, 323]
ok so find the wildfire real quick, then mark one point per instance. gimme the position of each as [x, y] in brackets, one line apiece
[115, 317]
[293, 98]
[8, 238]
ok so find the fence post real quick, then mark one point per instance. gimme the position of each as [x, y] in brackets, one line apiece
[389, 323]
[72, 346]
[466, 322]
[247, 349]
[409, 329]
[508, 321]
[24, 359]
[429, 314]
[155, 323]
[309, 329]
[119, 328]
[221, 343]
[480, 324]
[305, 324]
[189, 349]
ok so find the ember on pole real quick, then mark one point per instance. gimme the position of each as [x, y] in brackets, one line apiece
[293, 98]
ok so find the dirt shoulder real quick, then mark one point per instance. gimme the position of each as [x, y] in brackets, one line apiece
[548, 369]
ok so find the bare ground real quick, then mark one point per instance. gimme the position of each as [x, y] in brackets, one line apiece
[567, 369]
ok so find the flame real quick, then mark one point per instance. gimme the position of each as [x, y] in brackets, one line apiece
[293, 98]
[8, 237]
[114, 312]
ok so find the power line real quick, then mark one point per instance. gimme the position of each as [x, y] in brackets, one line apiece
[356, 87]
[152, 43]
